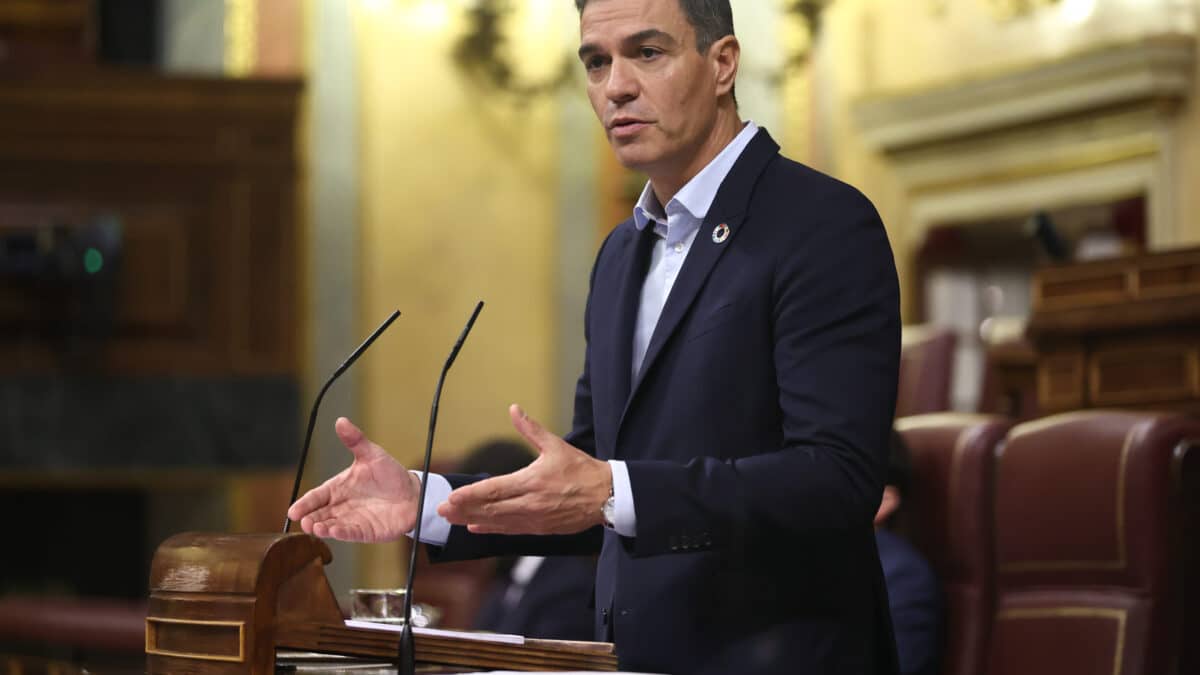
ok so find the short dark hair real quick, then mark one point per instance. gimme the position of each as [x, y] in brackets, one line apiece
[711, 19]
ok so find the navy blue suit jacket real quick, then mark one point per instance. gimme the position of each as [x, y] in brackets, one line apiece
[756, 434]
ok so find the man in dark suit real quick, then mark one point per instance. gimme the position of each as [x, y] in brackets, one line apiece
[731, 423]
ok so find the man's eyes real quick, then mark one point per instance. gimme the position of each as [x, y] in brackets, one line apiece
[597, 62]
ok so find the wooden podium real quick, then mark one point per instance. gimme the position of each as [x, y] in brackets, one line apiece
[224, 603]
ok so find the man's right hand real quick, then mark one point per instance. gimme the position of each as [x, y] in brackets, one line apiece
[373, 500]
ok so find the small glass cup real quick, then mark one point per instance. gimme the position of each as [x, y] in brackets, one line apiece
[381, 605]
[386, 605]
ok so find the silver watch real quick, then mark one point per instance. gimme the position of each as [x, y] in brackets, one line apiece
[609, 511]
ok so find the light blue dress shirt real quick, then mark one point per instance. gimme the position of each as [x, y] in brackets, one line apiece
[677, 226]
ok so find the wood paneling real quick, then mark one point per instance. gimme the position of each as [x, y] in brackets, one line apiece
[34, 31]
[200, 174]
[1060, 380]
[1123, 332]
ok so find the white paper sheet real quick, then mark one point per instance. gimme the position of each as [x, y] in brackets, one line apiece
[501, 638]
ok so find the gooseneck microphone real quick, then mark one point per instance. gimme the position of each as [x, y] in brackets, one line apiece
[312, 416]
[407, 652]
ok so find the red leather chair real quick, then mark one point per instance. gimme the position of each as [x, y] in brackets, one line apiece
[1089, 564]
[926, 370]
[949, 510]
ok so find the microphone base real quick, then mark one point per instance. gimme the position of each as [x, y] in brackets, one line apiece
[406, 658]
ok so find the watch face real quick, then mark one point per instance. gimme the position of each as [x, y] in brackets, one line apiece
[609, 511]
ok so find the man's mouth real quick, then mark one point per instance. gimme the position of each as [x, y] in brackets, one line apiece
[626, 127]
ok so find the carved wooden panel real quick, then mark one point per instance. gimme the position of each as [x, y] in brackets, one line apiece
[1138, 374]
[1123, 332]
[200, 175]
[1129, 292]
[1060, 380]
[1103, 287]
[34, 31]
[1010, 380]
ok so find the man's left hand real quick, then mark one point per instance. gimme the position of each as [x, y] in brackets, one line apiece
[561, 492]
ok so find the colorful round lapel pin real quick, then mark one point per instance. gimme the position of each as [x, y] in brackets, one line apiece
[720, 233]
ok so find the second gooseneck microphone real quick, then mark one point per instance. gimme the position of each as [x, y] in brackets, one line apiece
[407, 653]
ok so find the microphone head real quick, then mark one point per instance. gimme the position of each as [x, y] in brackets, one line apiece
[463, 337]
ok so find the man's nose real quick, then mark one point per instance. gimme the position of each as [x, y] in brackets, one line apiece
[622, 84]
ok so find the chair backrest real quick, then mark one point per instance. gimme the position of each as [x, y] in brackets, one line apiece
[950, 509]
[926, 370]
[1088, 564]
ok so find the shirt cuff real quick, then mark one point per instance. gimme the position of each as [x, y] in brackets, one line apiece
[625, 519]
[434, 528]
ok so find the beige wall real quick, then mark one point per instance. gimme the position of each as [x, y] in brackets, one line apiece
[458, 204]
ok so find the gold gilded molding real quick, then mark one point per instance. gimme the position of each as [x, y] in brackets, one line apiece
[1014, 68]
[1060, 165]
[1093, 565]
[1074, 612]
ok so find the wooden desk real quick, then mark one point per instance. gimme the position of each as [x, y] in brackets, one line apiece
[1118, 333]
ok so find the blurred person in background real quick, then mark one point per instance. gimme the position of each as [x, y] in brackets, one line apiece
[914, 593]
[534, 596]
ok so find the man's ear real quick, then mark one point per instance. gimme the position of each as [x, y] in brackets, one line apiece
[725, 54]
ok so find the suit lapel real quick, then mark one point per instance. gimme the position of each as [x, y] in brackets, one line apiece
[728, 208]
[636, 257]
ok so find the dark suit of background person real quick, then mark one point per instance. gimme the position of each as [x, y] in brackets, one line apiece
[755, 434]
[914, 593]
[555, 602]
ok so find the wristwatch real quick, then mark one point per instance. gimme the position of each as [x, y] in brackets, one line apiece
[609, 509]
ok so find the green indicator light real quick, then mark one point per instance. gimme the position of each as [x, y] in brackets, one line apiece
[93, 260]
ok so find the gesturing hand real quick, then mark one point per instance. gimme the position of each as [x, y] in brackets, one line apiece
[373, 500]
[561, 492]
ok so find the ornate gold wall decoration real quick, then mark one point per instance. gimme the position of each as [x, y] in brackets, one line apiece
[481, 55]
[1011, 9]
